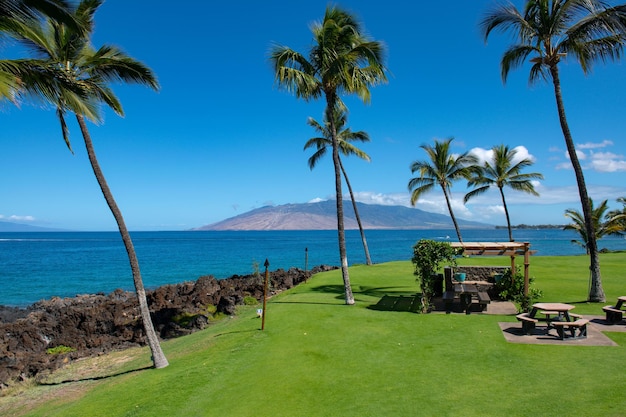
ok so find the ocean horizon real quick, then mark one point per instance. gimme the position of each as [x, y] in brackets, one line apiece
[41, 265]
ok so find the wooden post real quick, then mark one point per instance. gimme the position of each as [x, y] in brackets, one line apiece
[266, 264]
[306, 263]
[526, 266]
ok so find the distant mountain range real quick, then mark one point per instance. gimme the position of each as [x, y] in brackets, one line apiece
[21, 227]
[323, 216]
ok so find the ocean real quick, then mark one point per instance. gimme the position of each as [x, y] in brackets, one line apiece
[36, 266]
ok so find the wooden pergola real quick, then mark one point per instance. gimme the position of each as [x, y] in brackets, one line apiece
[511, 249]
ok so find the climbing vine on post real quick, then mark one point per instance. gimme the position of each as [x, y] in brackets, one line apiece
[427, 257]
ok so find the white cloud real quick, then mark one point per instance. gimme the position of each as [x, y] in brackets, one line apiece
[596, 161]
[607, 162]
[14, 218]
[487, 154]
[393, 199]
[433, 202]
[499, 209]
[592, 145]
[563, 165]
[482, 154]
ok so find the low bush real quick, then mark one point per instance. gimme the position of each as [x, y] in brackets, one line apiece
[250, 300]
[511, 288]
[58, 350]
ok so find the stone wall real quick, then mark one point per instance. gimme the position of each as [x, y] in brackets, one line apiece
[481, 273]
[482, 276]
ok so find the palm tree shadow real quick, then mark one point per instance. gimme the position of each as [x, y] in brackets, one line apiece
[390, 298]
[364, 290]
[95, 378]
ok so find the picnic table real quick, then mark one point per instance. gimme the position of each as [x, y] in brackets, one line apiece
[552, 311]
[615, 314]
[467, 294]
[556, 315]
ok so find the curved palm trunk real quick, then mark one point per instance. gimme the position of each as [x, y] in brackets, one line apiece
[456, 226]
[368, 260]
[158, 358]
[506, 212]
[341, 233]
[596, 292]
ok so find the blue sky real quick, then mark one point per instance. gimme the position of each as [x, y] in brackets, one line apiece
[220, 139]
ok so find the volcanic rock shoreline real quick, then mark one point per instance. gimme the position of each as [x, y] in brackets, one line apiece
[97, 323]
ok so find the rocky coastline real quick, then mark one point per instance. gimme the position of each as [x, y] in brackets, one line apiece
[94, 324]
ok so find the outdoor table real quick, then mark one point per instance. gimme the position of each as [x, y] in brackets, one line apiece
[620, 300]
[465, 293]
[560, 308]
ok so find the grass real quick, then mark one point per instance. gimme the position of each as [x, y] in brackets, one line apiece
[318, 357]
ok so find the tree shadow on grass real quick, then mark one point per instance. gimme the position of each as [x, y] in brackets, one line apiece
[411, 303]
[94, 378]
[391, 298]
[364, 290]
[581, 302]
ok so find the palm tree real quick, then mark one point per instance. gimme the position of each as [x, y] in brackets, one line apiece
[605, 223]
[550, 32]
[15, 14]
[342, 60]
[443, 169]
[63, 48]
[344, 137]
[615, 213]
[501, 172]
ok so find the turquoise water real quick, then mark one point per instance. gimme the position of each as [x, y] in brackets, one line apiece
[35, 266]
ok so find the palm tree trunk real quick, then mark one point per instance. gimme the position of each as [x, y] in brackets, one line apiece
[341, 233]
[456, 226]
[596, 292]
[506, 212]
[158, 357]
[368, 260]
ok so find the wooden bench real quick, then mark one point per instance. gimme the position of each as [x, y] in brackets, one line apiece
[579, 325]
[483, 298]
[528, 323]
[613, 315]
[549, 313]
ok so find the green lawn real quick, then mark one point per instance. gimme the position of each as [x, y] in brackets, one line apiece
[318, 357]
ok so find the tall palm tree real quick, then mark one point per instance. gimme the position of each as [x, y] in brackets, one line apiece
[344, 137]
[501, 172]
[59, 46]
[605, 223]
[550, 31]
[342, 60]
[442, 168]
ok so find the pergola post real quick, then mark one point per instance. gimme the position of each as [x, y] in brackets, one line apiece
[526, 267]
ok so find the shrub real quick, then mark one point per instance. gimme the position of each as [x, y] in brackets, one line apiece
[427, 255]
[57, 350]
[511, 288]
[184, 319]
[250, 300]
